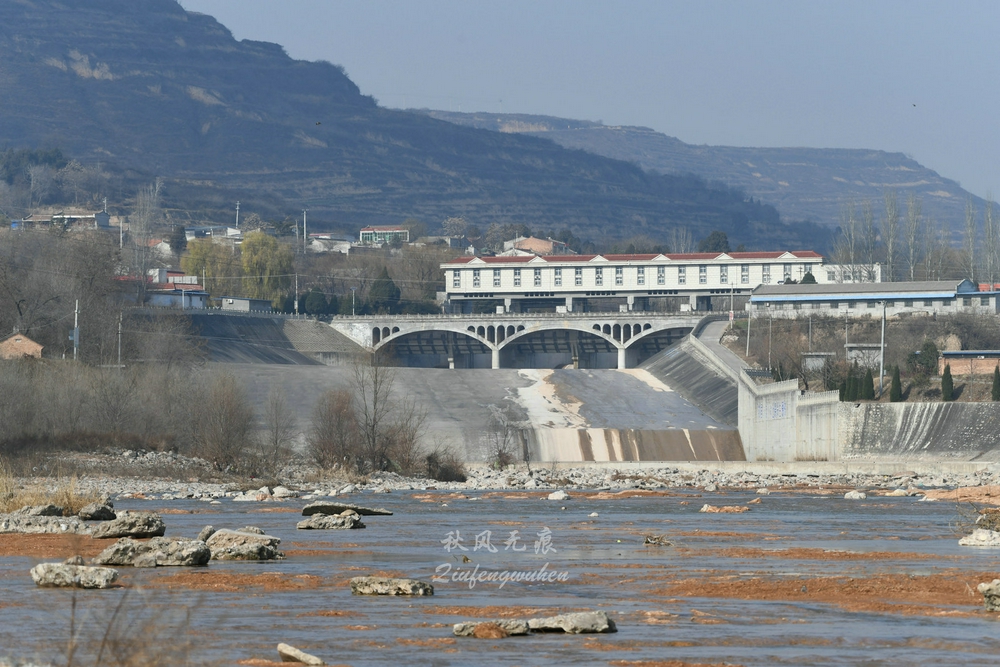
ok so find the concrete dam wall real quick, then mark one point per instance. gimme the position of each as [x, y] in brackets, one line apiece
[690, 369]
[955, 431]
[560, 415]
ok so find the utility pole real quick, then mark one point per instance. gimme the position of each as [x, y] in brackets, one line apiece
[749, 320]
[770, 327]
[296, 286]
[120, 334]
[305, 232]
[881, 363]
[352, 301]
[237, 214]
[76, 328]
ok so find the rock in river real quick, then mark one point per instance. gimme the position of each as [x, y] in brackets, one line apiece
[27, 524]
[389, 586]
[292, 654]
[330, 508]
[855, 495]
[236, 545]
[97, 512]
[578, 623]
[41, 510]
[74, 576]
[327, 522]
[157, 552]
[991, 594]
[132, 523]
[981, 538]
[507, 625]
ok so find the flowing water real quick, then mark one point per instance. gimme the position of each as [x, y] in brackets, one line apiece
[758, 588]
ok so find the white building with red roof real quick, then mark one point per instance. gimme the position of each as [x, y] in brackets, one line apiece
[694, 277]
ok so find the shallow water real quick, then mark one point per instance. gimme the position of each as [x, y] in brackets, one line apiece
[235, 617]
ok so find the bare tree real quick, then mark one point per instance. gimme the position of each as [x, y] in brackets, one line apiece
[991, 242]
[279, 430]
[455, 226]
[225, 423]
[868, 242]
[144, 218]
[373, 380]
[847, 248]
[680, 240]
[502, 436]
[912, 235]
[334, 439]
[890, 234]
[971, 239]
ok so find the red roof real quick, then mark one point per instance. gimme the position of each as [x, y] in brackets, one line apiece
[690, 256]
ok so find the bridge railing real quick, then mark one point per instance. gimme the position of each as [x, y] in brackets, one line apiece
[635, 314]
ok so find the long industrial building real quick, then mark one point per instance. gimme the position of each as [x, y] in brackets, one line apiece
[572, 281]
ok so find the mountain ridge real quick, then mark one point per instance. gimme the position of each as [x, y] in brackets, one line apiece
[803, 183]
[151, 87]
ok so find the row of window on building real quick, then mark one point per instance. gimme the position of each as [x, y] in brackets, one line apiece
[851, 305]
[619, 275]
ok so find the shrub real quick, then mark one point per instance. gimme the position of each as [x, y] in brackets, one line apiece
[444, 466]
[995, 393]
[333, 437]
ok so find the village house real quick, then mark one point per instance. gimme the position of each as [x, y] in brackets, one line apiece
[19, 346]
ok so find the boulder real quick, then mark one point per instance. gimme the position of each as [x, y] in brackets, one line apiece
[991, 594]
[475, 629]
[97, 512]
[284, 492]
[389, 586]
[855, 495]
[330, 508]
[237, 545]
[559, 495]
[73, 576]
[28, 524]
[41, 510]
[578, 623]
[132, 524]
[326, 522]
[157, 552]
[292, 654]
[981, 538]
[763, 491]
[724, 509]
[205, 533]
[252, 529]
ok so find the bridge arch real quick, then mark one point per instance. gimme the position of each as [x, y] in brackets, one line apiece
[440, 348]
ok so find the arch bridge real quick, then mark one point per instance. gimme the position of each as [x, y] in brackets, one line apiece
[520, 340]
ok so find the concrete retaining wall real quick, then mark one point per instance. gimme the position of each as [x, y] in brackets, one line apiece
[778, 422]
[690, 369]
[624, 444]
[956, 431]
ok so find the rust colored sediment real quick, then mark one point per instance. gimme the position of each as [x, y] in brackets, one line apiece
[951, 593]
[230, 583]
[985, 495]
[52, 546]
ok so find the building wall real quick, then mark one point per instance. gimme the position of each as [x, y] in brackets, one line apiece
[969, 365]
[18, 347]
[640, 276]
[984, 304]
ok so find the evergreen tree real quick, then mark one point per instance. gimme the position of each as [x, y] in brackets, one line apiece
[808, 279]
[896, 390]
[852, 388]
[314, 303]
[995, 394]
[843, 390]
[947, 386]
[384, 295]
[868, 386]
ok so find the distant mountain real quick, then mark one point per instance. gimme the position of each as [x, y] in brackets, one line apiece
[147, 86]
[803, 183]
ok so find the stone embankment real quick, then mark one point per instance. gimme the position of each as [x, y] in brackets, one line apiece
[609, 477]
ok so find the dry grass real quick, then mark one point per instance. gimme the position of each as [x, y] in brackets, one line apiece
[65, 493]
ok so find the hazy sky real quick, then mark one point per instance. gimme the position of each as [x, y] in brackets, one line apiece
[922, 78]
